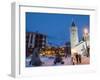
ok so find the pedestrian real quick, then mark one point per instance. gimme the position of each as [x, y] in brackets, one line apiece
[79, 56]
[35, 60]
[58, 58]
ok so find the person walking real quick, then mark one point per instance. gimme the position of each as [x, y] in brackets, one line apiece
[35, 60]
[79, 56]
[58, 58]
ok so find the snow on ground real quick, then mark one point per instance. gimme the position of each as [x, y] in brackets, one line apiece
[49, 61]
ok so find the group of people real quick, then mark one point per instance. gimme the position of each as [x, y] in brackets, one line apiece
[58, 58]
[76, 59]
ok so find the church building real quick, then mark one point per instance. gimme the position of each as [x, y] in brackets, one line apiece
[79, 47]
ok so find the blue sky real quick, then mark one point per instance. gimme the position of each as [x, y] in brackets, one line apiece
[55, 26]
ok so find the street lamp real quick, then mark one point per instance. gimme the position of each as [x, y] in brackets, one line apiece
[85, 38]
[73, 50]
[85, 33]
[85, 30]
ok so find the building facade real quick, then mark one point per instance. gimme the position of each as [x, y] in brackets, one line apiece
[80, 47]
[34, 40]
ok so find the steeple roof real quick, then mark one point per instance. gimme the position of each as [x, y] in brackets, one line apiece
[73, 24]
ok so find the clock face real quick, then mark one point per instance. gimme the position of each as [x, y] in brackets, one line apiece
[73, 29]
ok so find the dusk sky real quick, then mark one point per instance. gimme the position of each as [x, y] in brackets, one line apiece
[55, 26]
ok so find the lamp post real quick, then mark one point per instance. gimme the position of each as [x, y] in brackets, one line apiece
[85, 38]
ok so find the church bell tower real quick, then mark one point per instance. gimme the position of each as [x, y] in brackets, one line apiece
[74, 35]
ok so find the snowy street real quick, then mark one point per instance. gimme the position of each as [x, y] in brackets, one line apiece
[49, 61]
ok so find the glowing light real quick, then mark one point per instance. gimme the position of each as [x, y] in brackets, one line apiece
[73, 50]
[85, 31]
